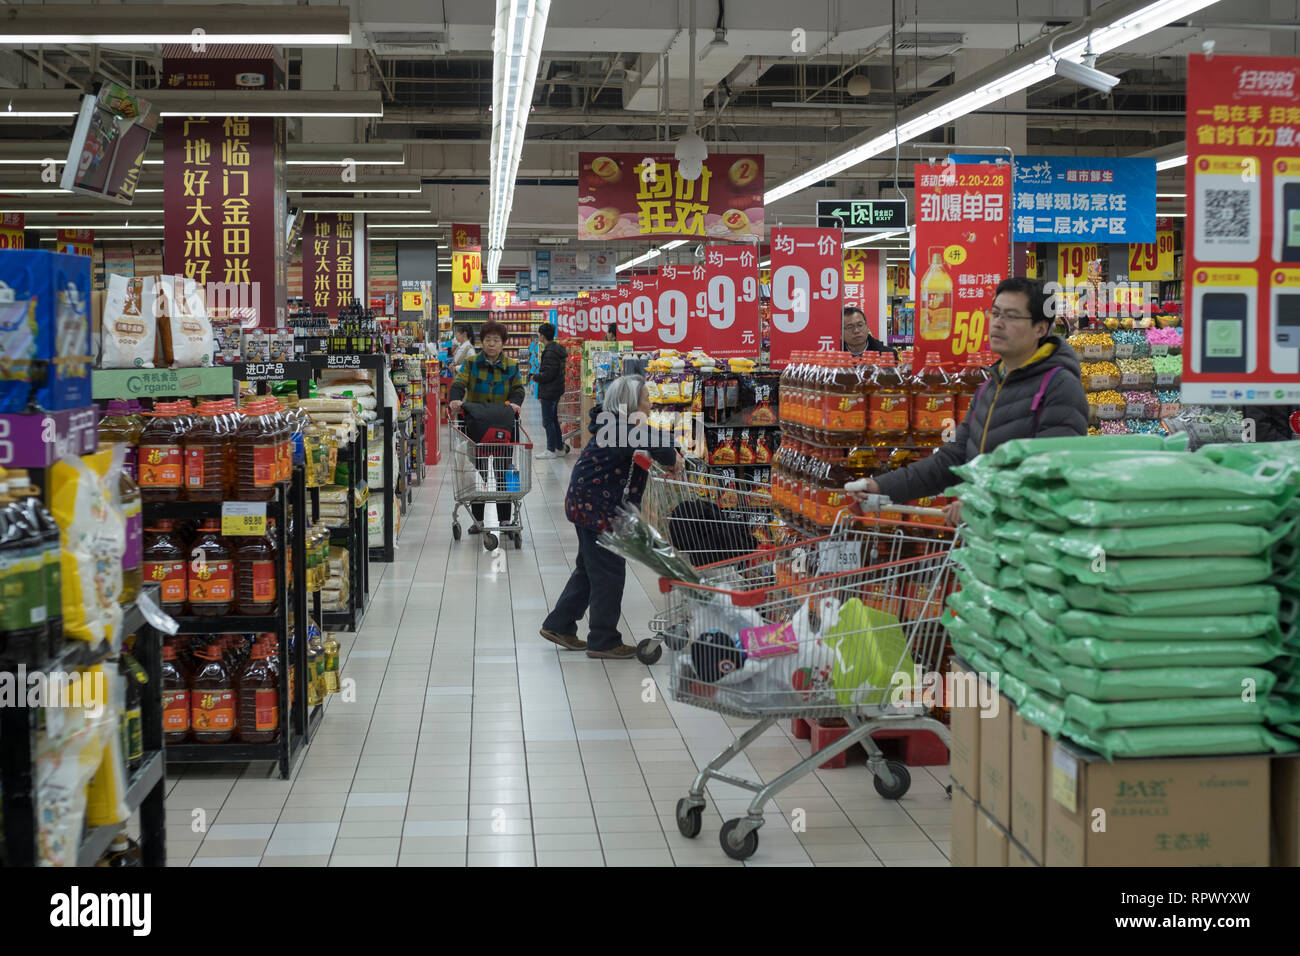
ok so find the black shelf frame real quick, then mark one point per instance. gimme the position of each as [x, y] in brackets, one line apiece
[297, 725]
[146, 787]
[355, 535]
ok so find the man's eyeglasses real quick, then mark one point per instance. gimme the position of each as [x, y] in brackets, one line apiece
[996, 313]
[854, 326]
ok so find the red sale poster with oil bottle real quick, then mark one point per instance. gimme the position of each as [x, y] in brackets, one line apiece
[963, 250]
[1241, 325]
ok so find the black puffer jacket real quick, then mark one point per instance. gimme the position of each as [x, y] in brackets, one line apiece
[550, 375]
[1002, 411]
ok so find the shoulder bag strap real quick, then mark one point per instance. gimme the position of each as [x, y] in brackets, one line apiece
[1037, 405]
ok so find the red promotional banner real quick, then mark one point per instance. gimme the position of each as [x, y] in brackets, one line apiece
[11, 230]
[564, 315]
[329, 266]
[864, 286]
[466, 238]
[1241, 325]
[806, 309]
[731, 301]
[77, 242]
[621, 196]
[587, 322]
[963, 250]
[636, 320]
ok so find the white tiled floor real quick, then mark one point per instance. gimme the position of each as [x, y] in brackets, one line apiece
[474, 742]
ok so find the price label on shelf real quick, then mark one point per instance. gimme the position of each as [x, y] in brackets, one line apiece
[243, 518]
[806, 294]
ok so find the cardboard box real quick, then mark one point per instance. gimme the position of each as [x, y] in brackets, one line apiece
[995, 761]
[1286, 811]
[1028, 785]
[964, 747]
[991, 842]
[963, 829]
[47, 317]
[1203, 811]
[1018, 857]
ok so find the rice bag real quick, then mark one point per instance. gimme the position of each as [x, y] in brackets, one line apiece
[1093, 652]
[1031, 672]
[1229, 627]
[106, 795]
[1150, 514]
[1171, 712]
[1163, 574]
[1182, 740]
[1183, 541]
[185, 335]
[983, 563]
[1246, 599]
[980, 617]
[129, 334]
[1155, 683]
[1156, 476]
[1044, 711]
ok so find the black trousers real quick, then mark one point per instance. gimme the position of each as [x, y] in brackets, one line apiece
[596, 584]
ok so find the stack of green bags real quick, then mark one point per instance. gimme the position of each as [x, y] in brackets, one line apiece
[1133, 597]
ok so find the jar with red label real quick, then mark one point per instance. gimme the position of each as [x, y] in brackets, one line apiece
[175, 697]
[259, 698]
[212, 698]
[256, 558]
[163, 562]
[257, 452]
[211, 572]
[933, 402]
[207, 446]
[162, 455]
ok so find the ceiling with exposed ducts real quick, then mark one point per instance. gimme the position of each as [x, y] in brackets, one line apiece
[797, 82]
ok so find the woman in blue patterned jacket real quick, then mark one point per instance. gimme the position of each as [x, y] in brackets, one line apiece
[604, 477]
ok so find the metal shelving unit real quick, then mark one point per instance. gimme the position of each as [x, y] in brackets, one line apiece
[295, 731]
[354, 534]
[146, 788]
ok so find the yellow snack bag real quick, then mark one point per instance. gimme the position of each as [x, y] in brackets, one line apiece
[93, 535]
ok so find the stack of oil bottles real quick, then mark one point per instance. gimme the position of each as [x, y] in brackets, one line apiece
[845, 418]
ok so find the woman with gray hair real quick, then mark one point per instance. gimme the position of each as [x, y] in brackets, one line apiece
[604, 477]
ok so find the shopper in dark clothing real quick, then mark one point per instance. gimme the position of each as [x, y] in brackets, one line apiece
[857, 337]
[604, 477]
[1035, 391]
[550, 386]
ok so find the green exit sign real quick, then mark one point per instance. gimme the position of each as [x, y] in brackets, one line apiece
[862, 215]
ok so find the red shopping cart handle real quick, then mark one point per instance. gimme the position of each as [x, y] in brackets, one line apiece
[642, 460]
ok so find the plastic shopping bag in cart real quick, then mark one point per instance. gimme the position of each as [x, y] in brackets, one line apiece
[871, 648]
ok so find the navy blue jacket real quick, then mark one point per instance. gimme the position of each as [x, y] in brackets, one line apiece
[605, 469]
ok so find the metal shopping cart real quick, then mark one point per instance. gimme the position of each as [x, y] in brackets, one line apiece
[707, 517]
[844, 626]
[489, 471]
[569, 413]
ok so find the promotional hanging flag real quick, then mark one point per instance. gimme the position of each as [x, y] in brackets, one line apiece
[806, 291]
[731, 301]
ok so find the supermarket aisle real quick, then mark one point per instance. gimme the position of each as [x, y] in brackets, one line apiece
[475, 742]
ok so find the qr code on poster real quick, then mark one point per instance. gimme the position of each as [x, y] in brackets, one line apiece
[1225, 214]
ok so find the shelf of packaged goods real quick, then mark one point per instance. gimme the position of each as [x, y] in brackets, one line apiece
[147, 776]
[737, 425]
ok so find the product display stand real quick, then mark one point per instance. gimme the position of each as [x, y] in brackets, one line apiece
[352, 535]
[296, 724]
[146, 787]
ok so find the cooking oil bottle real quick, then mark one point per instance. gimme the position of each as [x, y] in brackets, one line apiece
[888, 417]
[933, 402]
[935, 302]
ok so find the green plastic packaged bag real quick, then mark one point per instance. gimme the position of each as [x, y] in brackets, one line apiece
[1048, 605]
[1024, 667]
[1016, 689]
[976, 524]
[1164, 574]
[870, 648]
[1188, 599]
[981, 619]
[982, 564]
[975, 498]
[1012, 632]
[1018, 449]
[1156, 476]
[1224, 627]
[1178, 711]
[1181, 741]
[1044, 711]
[1093, 652]
[1181, 541]
[1087, 512]
[1011, 554]
[1010, 578]
[1157, 683]
[1014, 531]
[1243, 456]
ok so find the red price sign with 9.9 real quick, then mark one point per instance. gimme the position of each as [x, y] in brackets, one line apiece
[731, 301]
[679, 310]
[806, 293]
[636, 311]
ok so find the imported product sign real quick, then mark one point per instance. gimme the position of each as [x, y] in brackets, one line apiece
[640, 196]
[1241, 327]
[962, 253]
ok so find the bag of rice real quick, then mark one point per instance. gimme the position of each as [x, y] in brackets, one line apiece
[129, 325]
[185, 335]
[1182, 740]
[94, 540]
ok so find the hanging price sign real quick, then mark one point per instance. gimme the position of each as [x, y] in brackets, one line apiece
[806, 295]
[1072, 261]
[680, 312]
[731, 301]
[636, 311]
[1153, 261]
[243, 518]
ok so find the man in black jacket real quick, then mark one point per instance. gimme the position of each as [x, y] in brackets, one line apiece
[1035, 392]
[550, 386]
[857, 336]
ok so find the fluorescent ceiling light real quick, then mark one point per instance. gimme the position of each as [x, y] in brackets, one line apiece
[1171, 163]
[151, 24]
[516, 48]
[357, 188]
[331, 162]
[673, 245]
[44, 210]
[15, 190]
[1141, 20]
[875, 237]
[1158, 195]
[765, 263]
[18, 104]
[92, 226]
[405, 225]
[644, 257]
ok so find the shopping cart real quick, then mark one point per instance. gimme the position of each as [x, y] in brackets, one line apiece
[706, 517]
[490, 471]
[844, 626]
[569, 413]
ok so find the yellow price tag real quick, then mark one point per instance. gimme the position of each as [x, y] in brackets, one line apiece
[243, 518]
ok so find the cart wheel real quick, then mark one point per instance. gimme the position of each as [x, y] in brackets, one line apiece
[518, 539]
[747, 847]
[902, 781]
[648, 652]
[490, 541]
[455, 530]
[689, 819]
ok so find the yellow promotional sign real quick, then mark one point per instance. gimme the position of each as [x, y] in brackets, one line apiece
[1152, 261]
[444, 312]
[855, 265]
[469, 300]
[1073, 260]
[412, 301]
[466, 272]
[1031, 264]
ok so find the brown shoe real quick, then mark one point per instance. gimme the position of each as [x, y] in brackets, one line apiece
[570, 642]
[624, 652]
